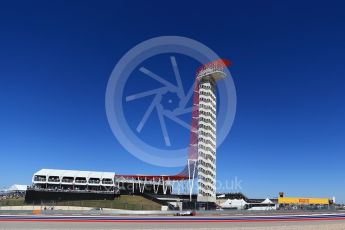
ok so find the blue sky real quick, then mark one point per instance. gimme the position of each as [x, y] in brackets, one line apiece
[288, 69]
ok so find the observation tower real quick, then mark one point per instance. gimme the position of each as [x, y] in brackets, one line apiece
[206, 79]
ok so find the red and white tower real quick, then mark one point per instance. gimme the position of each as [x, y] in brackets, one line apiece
[202, 143]
[206, 78]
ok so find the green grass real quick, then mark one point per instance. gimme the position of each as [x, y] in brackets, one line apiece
[12, 202]
[122, 202]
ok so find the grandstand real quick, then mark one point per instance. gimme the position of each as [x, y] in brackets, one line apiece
[53, 184]
[58, 185]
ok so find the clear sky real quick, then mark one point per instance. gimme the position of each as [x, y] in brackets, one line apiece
[288, 68]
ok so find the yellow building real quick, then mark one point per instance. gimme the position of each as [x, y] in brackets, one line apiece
[303, 201]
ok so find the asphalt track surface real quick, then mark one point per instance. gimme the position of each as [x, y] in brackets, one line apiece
[316, 221]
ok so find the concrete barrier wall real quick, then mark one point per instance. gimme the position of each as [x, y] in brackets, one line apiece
[42, 207]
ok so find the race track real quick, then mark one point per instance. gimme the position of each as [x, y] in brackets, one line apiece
[317, 221]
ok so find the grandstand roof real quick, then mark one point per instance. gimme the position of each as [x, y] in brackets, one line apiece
[74, 173]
